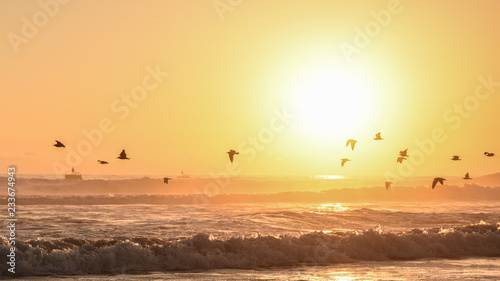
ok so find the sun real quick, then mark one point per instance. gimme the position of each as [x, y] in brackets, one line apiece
[330, 100]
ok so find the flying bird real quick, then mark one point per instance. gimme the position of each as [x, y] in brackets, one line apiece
[165, 180]
[456, 158]
[467, 177]
[489, 154]
[378, 137]
[387, 185]
[404, 153]
[59, 144]
[123, 155]
[436, 180]
[343, 161]
[351, 142]
[231, 154]
[400, 159]
[102, 162]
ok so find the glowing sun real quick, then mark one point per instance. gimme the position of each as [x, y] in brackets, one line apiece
[330, 101]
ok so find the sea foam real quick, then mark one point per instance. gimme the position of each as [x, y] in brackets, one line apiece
[119, 255]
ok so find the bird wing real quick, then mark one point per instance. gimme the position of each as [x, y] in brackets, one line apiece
[343, 162]
[231, 156]
[467, 175]
[352, 142]
[434, 182]
[387, 185]
[123, 154]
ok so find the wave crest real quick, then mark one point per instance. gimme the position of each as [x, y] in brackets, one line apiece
[120, 255]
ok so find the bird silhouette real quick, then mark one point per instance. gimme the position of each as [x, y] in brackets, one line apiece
[387, 185]
[467, 177]
[378, 137]
[489, 154]
[123, 155]
[231, 154]
[404, 153]
[436, 180]
[400, 159]
[351, 142]
[456, 158]
[343, 161]
[165, 180]
[59, 144]
[102, 162]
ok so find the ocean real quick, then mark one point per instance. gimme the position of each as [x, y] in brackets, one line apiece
[288, 228]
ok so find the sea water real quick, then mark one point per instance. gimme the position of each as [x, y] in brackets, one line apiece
[63, 231]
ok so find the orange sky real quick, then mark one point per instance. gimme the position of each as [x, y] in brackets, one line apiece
[69, 67]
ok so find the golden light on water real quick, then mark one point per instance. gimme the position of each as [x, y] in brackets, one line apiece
[329, 208]
[344, 278]
[329, 177]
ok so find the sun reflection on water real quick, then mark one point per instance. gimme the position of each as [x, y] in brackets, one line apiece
[330, 208]
[329, 177]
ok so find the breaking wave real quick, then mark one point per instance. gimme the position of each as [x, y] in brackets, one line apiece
[121, 255]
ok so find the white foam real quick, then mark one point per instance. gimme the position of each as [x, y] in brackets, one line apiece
[72, 256]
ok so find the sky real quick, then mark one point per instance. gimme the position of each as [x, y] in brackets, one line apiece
[286, 83]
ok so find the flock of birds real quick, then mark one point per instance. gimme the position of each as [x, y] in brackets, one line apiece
[403, 155]
[123, 156]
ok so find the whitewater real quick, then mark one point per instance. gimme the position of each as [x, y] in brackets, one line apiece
[411, 232]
